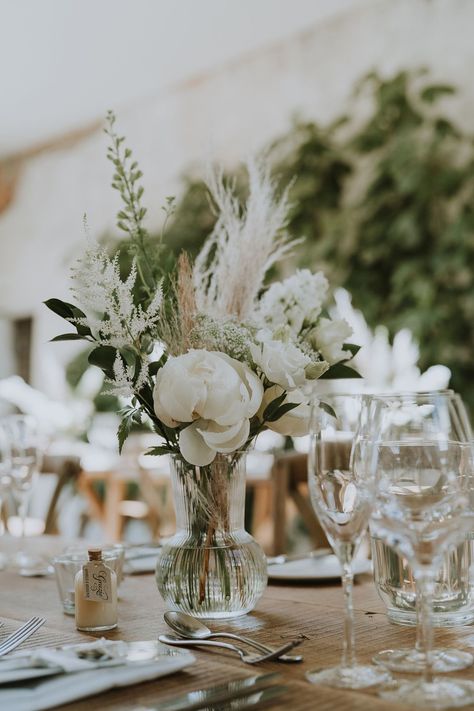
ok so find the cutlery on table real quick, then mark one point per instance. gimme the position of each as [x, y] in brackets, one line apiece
[285, 558]
[39, 572]
[246, 657]
[21, 634]
[217, 696]
[100, 654]
[191, 628]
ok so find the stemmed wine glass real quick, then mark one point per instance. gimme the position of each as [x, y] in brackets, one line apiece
[5, 480]
[422, 509]
[22, 434]
[439, 414]
[341, 484]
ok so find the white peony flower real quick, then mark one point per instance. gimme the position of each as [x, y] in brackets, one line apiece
[296, 422]
[328, 338]
[282, 363]
[295, 302]
[214, 392]
[200, 442]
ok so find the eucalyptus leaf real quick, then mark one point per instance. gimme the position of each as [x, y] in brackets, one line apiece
[67, 337]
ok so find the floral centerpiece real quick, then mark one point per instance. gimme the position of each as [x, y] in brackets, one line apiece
[210, 357]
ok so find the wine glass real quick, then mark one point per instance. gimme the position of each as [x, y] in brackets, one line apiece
[25, 461]
[5, 481]
[341, 484]
[423, 508]
[440, 414]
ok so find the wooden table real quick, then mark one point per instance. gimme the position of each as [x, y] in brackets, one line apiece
[314, 611]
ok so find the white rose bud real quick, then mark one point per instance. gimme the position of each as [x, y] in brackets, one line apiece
[282, 363]
[328, 338]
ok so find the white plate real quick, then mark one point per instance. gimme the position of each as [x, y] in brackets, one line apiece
[327, 568]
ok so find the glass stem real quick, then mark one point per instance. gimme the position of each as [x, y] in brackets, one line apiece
[348, 654]
[419, 629]
[22, 511]
[425, 591]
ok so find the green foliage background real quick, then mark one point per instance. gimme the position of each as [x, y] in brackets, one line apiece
[387, 208]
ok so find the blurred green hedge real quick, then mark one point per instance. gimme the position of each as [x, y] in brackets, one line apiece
[385, 199]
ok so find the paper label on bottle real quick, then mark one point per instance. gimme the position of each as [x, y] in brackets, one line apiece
[97, 582]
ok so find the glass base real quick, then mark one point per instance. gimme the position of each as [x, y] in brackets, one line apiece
[439, 694]
[101, 628]
[413, 661]
[458, 618]
[356, 677]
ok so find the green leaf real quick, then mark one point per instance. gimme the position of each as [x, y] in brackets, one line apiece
[155, 365]
[157, 451]
[123, 431]
[129, 355]
[339, 370]
[282, 410]
[61, 308]
[352, 348]
[327, 408]
[273, 406]
[67, 337]
[103, 357]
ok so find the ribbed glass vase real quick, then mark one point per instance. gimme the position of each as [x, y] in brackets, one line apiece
[211, 568]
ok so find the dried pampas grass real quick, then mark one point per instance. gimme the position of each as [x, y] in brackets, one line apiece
[229, 271]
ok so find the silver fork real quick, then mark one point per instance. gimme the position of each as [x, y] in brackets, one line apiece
[22, 633]
[245, 656]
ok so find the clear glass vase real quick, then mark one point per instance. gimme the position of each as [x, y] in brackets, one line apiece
[211, 568]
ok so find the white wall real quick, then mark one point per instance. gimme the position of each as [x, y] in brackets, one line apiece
[231, 110]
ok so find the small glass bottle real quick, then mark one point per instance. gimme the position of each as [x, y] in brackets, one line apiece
[95, 588]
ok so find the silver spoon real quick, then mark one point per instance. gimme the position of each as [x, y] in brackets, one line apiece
[191, 628]
[246, 657]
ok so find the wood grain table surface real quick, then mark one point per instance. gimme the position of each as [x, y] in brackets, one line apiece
[313, 611]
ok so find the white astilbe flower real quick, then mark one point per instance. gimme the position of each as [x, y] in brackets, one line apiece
[295, 302]
[123, 384]
[108, 302]
[229, 271]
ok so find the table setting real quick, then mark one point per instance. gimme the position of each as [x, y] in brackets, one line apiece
[208, 358]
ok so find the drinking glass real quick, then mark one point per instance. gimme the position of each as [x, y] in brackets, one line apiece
[414, 416]
[341, 483]
[422, 509]
[25, 461]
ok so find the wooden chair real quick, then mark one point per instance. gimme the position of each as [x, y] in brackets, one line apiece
[289, 480]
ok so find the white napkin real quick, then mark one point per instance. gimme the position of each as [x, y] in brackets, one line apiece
[38, 695]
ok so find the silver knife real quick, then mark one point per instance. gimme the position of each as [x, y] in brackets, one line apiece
[203, 698]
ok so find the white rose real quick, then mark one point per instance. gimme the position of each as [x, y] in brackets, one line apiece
[213, 391]
[282, 363]
[294, 423]
[328, 338]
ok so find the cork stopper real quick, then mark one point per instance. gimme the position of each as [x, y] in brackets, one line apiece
[95, 553]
